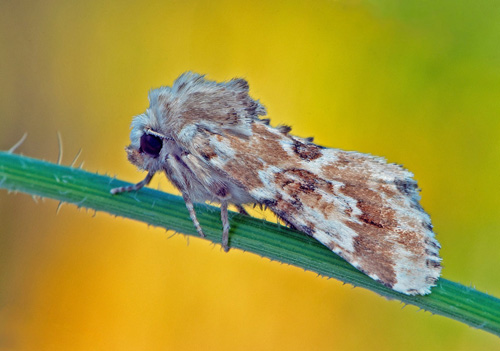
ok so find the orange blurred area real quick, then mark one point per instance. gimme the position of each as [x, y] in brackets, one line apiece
[418, 83]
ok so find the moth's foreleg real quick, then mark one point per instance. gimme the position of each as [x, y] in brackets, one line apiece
[192, 214]
[137, 186]
[225, 226]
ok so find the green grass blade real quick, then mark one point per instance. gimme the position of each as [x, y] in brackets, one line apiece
[20, 173]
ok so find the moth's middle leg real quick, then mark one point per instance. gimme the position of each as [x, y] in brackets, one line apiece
[225, 222]
[222, 193]
[192, 214]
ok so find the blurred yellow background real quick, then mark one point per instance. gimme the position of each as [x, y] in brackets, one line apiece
[416, 81]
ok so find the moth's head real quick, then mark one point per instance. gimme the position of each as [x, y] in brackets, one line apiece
[147, 146]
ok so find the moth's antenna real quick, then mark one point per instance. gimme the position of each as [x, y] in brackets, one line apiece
[16, 145]
[156, 134]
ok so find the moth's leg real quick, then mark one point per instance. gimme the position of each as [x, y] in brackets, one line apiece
[177, 168]
[137, 186]
[219, 191]
[225, 225]
[192, 214]
[241, 210]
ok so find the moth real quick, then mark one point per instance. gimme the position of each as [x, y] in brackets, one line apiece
[211, 142]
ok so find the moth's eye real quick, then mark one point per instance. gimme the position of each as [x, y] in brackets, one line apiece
[151, 145]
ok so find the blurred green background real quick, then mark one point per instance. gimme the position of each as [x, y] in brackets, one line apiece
[416, 81]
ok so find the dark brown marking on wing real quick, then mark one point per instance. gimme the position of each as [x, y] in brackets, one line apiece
[306, 152]
[306, 187]
[208, 154]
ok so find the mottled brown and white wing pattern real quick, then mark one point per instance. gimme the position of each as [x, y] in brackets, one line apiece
[361, 207]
